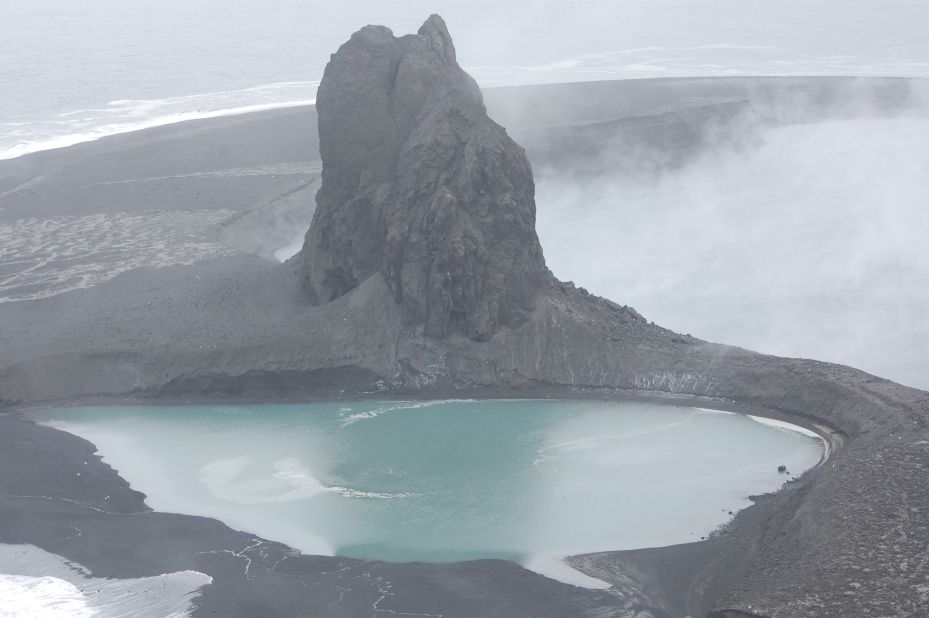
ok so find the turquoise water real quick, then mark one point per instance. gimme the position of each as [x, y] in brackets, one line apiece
[529, 481]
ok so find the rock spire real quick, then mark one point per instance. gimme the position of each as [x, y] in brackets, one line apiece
[421, 186]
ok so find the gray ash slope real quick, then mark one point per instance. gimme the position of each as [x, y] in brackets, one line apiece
[422, 314]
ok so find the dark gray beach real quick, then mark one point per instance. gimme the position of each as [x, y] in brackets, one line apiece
[180, 301]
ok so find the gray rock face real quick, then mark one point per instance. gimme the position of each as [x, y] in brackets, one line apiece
[421, 186]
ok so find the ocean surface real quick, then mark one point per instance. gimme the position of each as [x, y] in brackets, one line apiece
[75, 71]
[529, 481]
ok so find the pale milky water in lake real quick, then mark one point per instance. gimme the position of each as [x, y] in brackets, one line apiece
[529, 481]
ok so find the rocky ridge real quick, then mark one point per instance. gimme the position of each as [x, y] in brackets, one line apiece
[424, 196]
[421, 186]
[240, 328]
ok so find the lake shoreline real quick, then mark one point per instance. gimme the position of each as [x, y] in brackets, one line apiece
[546, 442]
[663, 577]
[237, 327]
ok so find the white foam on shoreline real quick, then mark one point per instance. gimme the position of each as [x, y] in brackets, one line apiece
[63, 141]
[712, 411]
[783, 426]
[771, 422]
[128, 115]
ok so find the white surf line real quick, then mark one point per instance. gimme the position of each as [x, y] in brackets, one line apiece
[764, 420]
[713, 411]
[785, 426]
[117, 128]
[772, 422]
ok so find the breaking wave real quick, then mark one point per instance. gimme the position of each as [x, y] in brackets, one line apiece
[126, 115]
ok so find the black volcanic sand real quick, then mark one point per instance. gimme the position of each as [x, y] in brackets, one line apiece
[847, 539]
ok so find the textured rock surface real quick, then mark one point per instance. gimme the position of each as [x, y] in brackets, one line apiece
[421, 185]
[848, 539]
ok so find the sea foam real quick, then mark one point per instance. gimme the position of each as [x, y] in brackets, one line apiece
[127, 115]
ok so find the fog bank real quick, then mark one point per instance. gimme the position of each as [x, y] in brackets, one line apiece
[812, 244]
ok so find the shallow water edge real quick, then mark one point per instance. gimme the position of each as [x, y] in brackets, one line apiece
[546, 562]
[680, 564]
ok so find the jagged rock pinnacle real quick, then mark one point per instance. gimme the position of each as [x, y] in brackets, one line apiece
[419, 185]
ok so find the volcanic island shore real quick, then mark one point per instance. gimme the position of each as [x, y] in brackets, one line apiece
[190, 306]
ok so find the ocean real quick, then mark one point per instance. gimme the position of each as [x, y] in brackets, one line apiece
[76, 71]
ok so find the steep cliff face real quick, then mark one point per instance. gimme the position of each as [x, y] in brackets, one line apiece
[421, 186]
